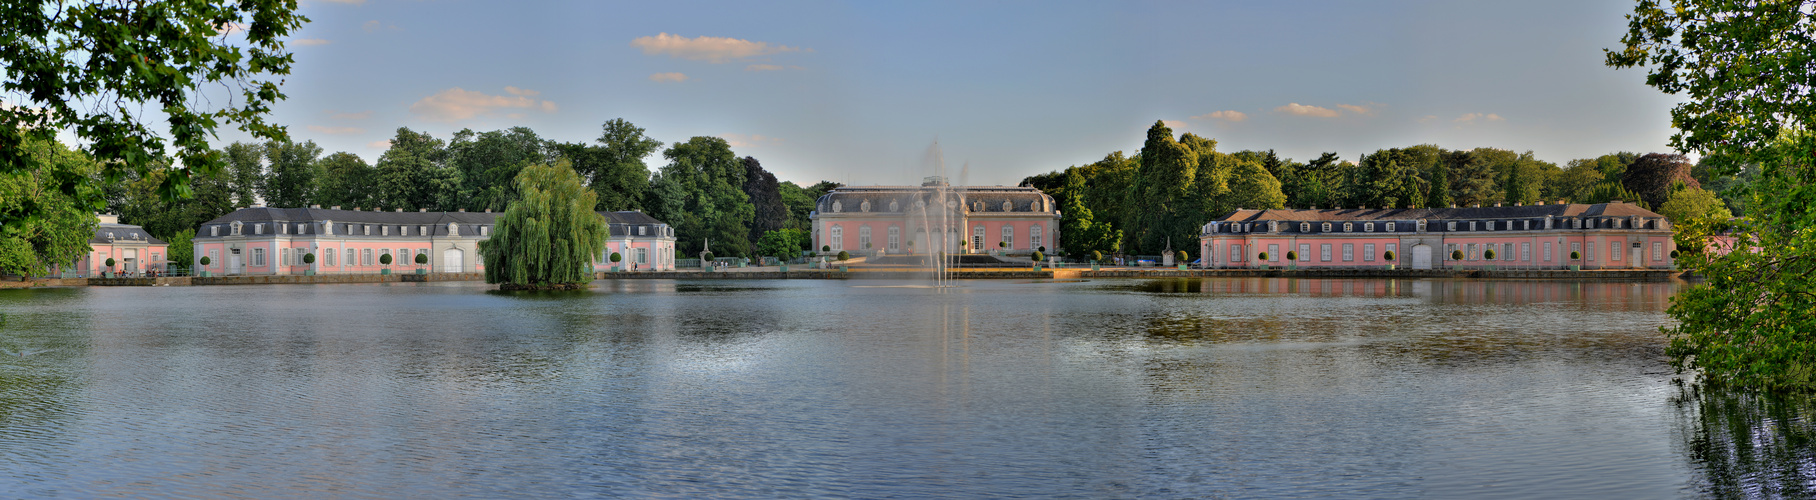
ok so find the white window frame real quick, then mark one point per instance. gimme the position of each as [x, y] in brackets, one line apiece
[1526, 251]
[1349, 252]
[895, 235]
[258, 257]
[1034, 236]
[1658, 251]
[1235, 252]
[864, 235]
[1009, 235]
[837, 234]
[1273, 252]
[1368, 252]
[1305, 252]
[1324, 252]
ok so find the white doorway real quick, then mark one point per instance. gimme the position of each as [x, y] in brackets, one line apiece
[1634, 256]
[1421, 257]
[452, 260]
[234, 264]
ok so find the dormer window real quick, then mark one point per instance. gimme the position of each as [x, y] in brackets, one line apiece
[1305, 227]
[1450, 226]
[366, 229]
[384, 230]
[485, 230]
[1273, 226]
[214, 230]
[422, 230]
[980, 207]
[1576, 223]
[1368, 227]
[1324, 228]
[1349, 227]
[1390, 227]
[1472, 225]
[1527, 225]
[1007, 206]
[644, 230]
[258, 228]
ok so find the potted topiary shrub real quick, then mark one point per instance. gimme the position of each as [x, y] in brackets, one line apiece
[1182, 260]
[1574, 265]
[1389, 257]
[1096, 259]
[109, 272]
[204, 265]
[1003, 247]
[1456, 259]
[422, 259]
[1038, 256]
[1673, 260]
[844, 256]
[1488, 255]
[309, 260]
[1292, 259]
[384, 260]
[616, 258]
[1262, 259]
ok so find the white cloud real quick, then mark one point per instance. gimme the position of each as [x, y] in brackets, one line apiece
[373, 26]
[752, 140]
[310, 41]
[457, 104]
[1303, 110]
[763, 67]
[336, 130]
[1360, 110]
[1173, 124]
[1469, 118]
[1229, 115]
[522, 92]
[384, 144]
[706, 48]
[667, 77]
[350, 116]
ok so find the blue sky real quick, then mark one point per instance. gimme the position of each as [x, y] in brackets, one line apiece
[856, 92]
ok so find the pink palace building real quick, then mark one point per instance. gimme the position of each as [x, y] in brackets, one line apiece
[1605, 235]
[273, 241]
[133, 250]
[891, 220]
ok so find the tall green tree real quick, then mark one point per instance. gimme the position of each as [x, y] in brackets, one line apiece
[700, 192]
[1439, 195]
[1743, 69]
[768, 212]
[1252, 187]
[245, 172]
[47, 226]
[1166, 175]
[488, 162]
[294, 174]
[1651, 176]
[614, 168]
[347, 181]
[211, 197]
[413, 174]
[550, 236]
[1080, 231]
[1473, 176]
[182, 248]
[106, 71]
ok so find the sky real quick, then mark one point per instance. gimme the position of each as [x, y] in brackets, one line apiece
[859, 92]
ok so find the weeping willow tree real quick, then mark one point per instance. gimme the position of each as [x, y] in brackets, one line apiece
[548, 238]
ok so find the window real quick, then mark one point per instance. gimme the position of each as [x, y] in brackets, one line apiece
[1008, 207]
[365, 257]
[366, 228]
[1034, 237]
[1349, 252]
[895, 234]
[979, 206]
[1589, 251]
[1657, 249]
[1576, 223]
[838, 206]
[1273, 253]
[214, 231]
[1324, 252]
[1349, 227]
[1507, 251]
[283, 229]
[1576, 247]
[1614, 250]
[864, 236]
[1450, 226]
[1391, 248]
[157, 257]
[1469, 253]
[838, 235]
[977, 237]
[1235, 253]
[864, 207]
[1305, 252]
[1548, 252]
[302, 229]
[641, 255]
[642, 230]
[1009, 235]
[214, 258]
[1450, 250]
[1390, 227]
[1526, 252]
[352, 258]
[403, 256]
[384, 230]
[424, 230]
[1527, 225]
[258, 257]
[893, 207]
[1368, 228]
[328, 259]
[1472, 225]
[1305, 227]
[1324, 228]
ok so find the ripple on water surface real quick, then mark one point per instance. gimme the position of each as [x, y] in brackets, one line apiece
[1164, 388]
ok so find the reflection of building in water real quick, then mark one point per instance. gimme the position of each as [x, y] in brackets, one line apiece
[1603, 236]
[274, 241]
[897, 219]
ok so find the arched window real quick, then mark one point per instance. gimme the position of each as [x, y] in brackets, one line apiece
[1368, 227]
[1009, 235]
[1034, 237]
[1349, 227]
[864, 236]
[838, 234]
[895, 236]
[1325, 228]
[1305, 227]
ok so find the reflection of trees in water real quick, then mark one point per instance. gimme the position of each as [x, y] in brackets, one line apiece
[1749, 445]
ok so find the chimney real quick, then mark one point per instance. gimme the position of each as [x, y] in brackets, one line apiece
[315, 206]
[1519, 203]
[1614, 201]
[463, 210]
[1478, 205]
[1453, 205]
[488, 210]
[1560, 201]
[337, 207]
[356, 209]
[400, 210]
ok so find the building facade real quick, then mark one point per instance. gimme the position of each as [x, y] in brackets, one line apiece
[274, 241]
[1603, 236]
[134, 251]
[891, 220]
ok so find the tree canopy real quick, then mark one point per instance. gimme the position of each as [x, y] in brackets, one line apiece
[550, 237]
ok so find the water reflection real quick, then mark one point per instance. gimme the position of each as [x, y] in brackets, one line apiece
[1748, 445]
[1111, 388]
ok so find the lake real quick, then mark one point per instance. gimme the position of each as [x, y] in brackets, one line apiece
[1265, 387]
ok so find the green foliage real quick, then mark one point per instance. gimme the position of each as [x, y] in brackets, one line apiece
[421, 258]
[109, 262]
[294, 175]
[781, 243]
[1607, 192]
[1096, 256]
[100, 69]
[1263, 256]
[616, 258]
[549, 236]
[346, 181]
[843, 255]
[1693, 203]
[245, 172]
[768, 213]
[1167, 172]
[384, 259]
[1651, 176]
[487, 163]
[614, 169]
[182, 247]
[1181, 258]
[1456, 255]
[1038, 256]
[1388, 256]
[825, 248]
[700, 192]
[412, 174]
[41, 224]
[309, 258]
[141, 205]
[205, 260]
[1080, 231]
[1292, 255]
[1575, 255]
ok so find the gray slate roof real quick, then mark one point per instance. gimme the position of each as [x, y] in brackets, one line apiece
[1515, 218]
[122, 233]
[851, 199]
[618, 222]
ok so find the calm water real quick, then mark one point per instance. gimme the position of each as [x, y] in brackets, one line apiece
[1220, 388]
